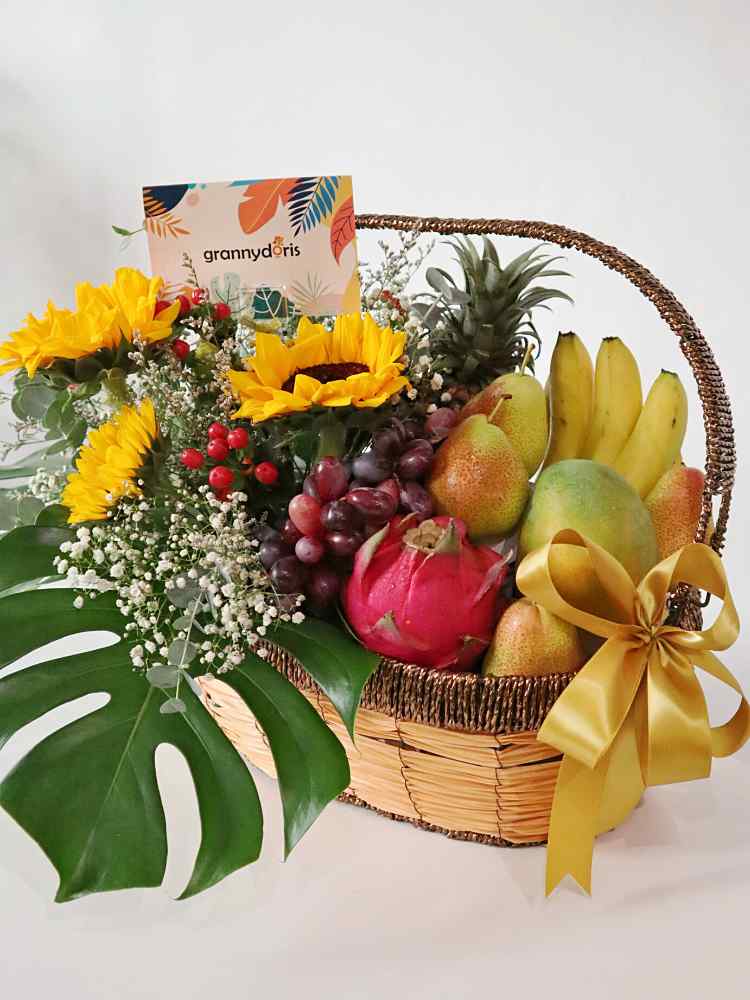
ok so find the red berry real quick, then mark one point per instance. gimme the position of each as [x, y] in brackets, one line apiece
[160, 306]
[266, 473]
[180, 348]
[221, 477]
[222, 311]
[221, 495]
[217, 430]
[217, 449]
[191, 458]
[238, 438]
[185, 305]
[198, 296]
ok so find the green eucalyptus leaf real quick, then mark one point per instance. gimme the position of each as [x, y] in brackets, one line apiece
[163, 677]
[181, 652]
[29, 507]
[333, 659]
[311, 764]
[53, 516]
[173, 706]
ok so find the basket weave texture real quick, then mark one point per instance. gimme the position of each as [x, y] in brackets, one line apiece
[457, 753]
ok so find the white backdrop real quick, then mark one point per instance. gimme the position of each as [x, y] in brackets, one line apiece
[628, 121]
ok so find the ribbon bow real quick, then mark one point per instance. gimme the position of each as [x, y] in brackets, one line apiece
[635, 714]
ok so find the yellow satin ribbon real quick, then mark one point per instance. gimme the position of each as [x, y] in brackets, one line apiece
[635, 714]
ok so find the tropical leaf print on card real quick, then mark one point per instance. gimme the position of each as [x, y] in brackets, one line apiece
[262, 201]
[342, 228]
[310, 201]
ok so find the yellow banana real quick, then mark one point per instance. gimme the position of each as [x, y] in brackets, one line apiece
[657, 437]
[617, 401]
[570, 391]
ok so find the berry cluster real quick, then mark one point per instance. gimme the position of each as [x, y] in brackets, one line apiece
[341, 505]
[221, 442]
[198, 297]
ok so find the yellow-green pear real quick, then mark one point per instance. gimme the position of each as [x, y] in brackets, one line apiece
[522, 415]
[529, 640]
[479, 476]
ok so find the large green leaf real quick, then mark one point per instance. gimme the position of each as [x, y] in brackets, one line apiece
[27, 553]
[311, 764]
[88, 793]
[339, 665]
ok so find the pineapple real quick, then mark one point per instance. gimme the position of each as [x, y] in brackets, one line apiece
[484, 330]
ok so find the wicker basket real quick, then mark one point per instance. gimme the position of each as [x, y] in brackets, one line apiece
[457, 753]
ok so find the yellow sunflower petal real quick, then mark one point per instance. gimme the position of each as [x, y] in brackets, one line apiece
[272, 362]
[108, 463]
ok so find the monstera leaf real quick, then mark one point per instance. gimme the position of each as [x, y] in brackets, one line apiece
[88, 792]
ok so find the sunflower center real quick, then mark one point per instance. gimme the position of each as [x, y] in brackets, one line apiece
[326, 373]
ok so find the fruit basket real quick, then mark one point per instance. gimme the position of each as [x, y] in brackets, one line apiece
[367, 552]
[454, 752]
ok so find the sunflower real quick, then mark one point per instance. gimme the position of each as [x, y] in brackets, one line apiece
[102, 318]
[355, 364]
[31, 347]
[108, 464]
[134, 297]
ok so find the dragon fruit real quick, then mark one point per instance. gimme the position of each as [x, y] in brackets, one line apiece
[422, 593]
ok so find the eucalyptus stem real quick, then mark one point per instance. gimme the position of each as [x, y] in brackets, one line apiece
[116, 390]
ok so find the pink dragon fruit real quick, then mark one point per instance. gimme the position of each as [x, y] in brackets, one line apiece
[422, 593]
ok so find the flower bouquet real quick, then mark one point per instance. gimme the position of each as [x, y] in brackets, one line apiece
[281, 518]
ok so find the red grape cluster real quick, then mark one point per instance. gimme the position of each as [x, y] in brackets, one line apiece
[342, 505]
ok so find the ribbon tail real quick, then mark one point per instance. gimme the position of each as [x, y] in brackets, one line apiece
[592, 800]
[726, 739]
[574, 821]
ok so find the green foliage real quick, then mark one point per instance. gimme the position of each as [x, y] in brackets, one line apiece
[485, 327]
[88, 793]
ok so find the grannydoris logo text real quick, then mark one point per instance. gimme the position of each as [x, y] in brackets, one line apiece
[277, 248]
[295, 236]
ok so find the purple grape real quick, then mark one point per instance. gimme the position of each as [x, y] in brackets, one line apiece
[415, 463]
[263, 532]
[371, 467]
[343, 543]
[417, 500]
[330, 478]
[309, 550]
[338, 515]
[310, 487]
[323, 586]
[420, 444]
[375, 505]
[290, 533]
[388, 442]
[411, 429]
[357, 484]
[288, 575]
[440, 422]
[271, 551]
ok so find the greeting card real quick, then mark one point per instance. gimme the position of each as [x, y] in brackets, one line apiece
[278, 245]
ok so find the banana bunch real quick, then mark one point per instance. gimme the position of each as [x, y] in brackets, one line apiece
[600, 414]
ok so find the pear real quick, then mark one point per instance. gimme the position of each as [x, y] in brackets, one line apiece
[530, 641]
[478, 476]
[675, 507]
[523, 414]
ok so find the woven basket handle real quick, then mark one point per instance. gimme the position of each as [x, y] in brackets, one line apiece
[717, 413]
